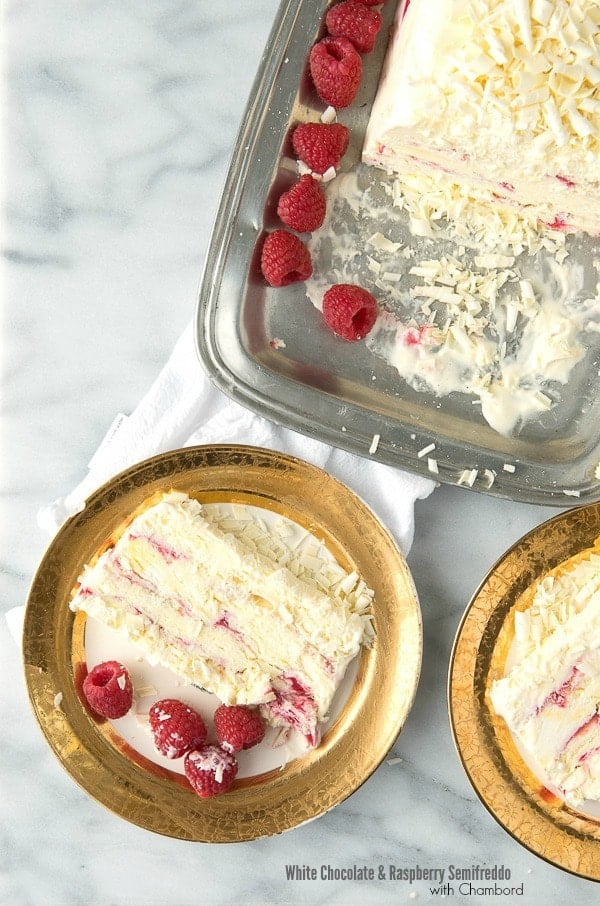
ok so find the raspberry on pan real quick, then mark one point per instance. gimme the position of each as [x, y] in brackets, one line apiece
[303, 207]
[284, 259]
[350, 311]
[336, 70]
[176, 727]
[238, 727]
[210, 770]
[108, 689]
[320, 145]
[356, 21]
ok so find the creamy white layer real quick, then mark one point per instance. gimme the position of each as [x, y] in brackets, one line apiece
[507, 323]
[227, 606]
[498, 94]
[550, 695]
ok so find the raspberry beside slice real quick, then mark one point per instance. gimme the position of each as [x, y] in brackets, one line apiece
[356, 21]
[176, 727]
[320, 145]
[284, 259]
[303, 207]
[350, 311]
[238, 727]
[108, 689]
[336, 70]
[210, 770]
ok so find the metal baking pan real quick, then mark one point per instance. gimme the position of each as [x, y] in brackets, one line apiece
[338, 392]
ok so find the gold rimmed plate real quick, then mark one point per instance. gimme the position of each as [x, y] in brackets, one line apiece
[505, 783]
[265, 802]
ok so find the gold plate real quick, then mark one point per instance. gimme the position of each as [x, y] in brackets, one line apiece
[358, 739]
[518, 800]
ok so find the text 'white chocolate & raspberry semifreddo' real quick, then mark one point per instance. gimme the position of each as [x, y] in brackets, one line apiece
[549, 696]
[226, 605]
[497, 94]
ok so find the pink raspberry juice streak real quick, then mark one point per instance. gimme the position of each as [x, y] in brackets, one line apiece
[559, 223]
[414, 336]
[591, 727]
[295, 706]
[566, 181]
[139, 613]
[328, 665]
[168, 553]
[130, 575]
[184, 607]
[560, 696]
[434, 166]
[223, 623]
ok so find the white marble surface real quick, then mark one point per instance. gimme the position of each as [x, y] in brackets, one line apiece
[119, 122]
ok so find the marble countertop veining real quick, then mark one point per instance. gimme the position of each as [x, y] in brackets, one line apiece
[119, 120]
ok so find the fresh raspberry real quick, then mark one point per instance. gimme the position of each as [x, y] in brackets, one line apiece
[108, 689]
[320, 145]
[284, 259]
[375, 2]
[210, 770]
[176, 727]
[355, 21]
[303, 207]
[336, 70]
[349, 310]
[238, 727]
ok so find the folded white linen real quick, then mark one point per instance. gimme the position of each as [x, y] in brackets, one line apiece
[183, 408]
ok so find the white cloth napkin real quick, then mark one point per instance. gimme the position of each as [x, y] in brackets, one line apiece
[183, 408]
